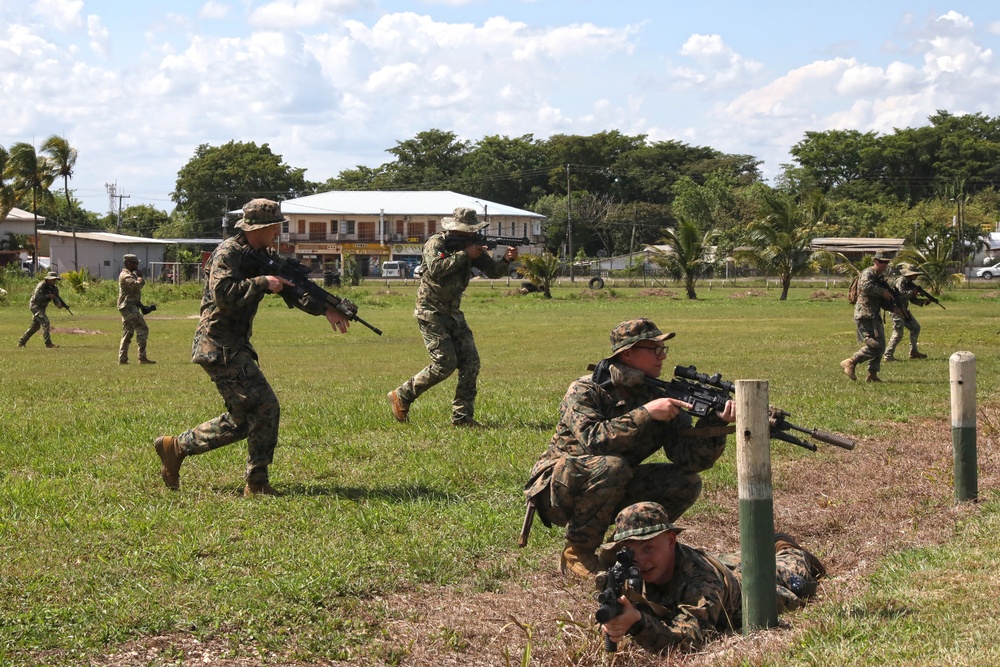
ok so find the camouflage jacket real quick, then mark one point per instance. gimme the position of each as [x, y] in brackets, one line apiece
[703, 597]
[43, 294]
[234, 287]
[612, 421]
[129, 289]
[870, 296]
[908, 293]
[445, 277]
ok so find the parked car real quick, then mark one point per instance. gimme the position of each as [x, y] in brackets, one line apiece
[395, 269]
[987, 272]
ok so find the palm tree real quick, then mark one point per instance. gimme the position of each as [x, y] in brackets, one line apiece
[541, 270]
[30, 174]
[6, 192]
[62, 160]
[689, 250]
[780, 242]
[934, 259]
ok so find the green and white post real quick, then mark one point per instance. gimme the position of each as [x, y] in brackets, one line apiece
[962, 366]
[753, 467]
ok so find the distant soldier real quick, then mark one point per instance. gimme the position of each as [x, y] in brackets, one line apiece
[446, 274]
[45, 292]
[907, 294]
[872, 298]
[130, 284]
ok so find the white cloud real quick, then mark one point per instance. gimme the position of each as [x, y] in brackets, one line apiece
[100, 39]
[64, 15]
[214, 10]
[717, 65]
[287, 14]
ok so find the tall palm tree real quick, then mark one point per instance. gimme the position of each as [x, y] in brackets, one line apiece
[688, 256]
[933, 258]
[30, 176]
[62, 160]
[780, 242]
[6, 192]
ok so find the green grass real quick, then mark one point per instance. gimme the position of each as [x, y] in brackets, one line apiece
[96, 551]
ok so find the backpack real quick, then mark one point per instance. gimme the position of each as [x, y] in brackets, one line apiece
[852, 291]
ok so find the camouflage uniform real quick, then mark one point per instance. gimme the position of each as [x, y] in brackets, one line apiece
[44, 293]
[594, 466]
[446, 334]
[907, 295]
[234, 287]
[130, 286]
[868, 320]
[704, 595]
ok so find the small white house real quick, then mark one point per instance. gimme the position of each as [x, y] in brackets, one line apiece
[101, 252]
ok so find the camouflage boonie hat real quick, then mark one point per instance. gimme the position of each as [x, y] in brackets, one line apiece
[630, 332]
[882, 256]
[260, 213]
[52, 275]
[462, 220]
[129, 258]
[908, 271]
[641, 521]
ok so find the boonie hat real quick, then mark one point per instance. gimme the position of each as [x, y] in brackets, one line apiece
[129, 258]
[630, 332]
[52, 275]
[882, 256]
[641, 521]
[462, 220]
[910, 272]
[260, 213]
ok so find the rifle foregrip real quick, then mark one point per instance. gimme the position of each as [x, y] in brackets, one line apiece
[833, 439]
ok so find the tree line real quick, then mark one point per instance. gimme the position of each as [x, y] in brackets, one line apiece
[619, 192]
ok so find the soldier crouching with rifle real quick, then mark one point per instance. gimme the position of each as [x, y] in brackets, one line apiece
[690, 595]
[594, 466]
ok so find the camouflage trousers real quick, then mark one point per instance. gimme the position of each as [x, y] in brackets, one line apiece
[132, 323]
[871, 334]
[587, 492]
[451, 345]
[39, 320]
[898, 326]
[253, 413]
[795, 579]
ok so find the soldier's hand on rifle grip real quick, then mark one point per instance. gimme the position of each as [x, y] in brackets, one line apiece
[337, 320]
[665, 409]
[473, 251]
[728, 415]
[618, 627]
[276, 283]
[511, 254]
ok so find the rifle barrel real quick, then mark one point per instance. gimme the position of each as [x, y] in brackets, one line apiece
[823, 436]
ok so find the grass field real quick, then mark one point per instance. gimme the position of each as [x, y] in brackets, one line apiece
[97, 553]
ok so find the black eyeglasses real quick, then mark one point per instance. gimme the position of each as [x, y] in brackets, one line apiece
[658, 350]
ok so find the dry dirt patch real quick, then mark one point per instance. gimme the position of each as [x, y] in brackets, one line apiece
[850, 508]
[75, 331]
[749, 293]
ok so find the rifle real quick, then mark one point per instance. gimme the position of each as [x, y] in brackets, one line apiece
[146, 310]
[298, 275]
[455, 241]
[927, 295]
[897, 297]
[709, 393]
[56, 299]
[623, 578]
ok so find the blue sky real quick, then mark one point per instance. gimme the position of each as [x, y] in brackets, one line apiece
[331, 84]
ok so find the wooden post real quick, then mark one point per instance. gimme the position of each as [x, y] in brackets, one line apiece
[962, 366]
[753, 467]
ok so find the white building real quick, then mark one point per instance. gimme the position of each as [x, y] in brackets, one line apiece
[101, 252]
[382, 225]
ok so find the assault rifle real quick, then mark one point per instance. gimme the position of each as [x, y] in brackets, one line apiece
[927, 295]
[146, 310]
[455, 241]
[708, 393]
[298, 275]
[897, 297]
[58, 300]
[623, 578]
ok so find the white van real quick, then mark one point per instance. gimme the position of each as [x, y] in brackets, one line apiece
[394, 270]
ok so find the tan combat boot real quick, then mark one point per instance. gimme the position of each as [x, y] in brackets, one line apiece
[917, 355]
[171, 457]
[264, 489]
[873, 377]
[400, 408]
[146, 360]
[784, 541]
[848, 366]
[579, 560]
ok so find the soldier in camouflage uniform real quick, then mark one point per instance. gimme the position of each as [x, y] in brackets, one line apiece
[691, 595]
[872, 298]
[594, 466]
[130, 284]
[442, 323]
[907, 295]
[45, 292]
[234, 288]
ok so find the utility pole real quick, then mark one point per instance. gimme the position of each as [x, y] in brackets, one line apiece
[569, 226]
[120, 197]
[112, 189]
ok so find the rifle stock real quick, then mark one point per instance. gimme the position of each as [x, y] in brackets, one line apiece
[298, 275]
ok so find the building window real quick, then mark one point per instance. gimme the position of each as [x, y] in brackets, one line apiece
[525, 229]
[431, 227]
[284, 227]
[366, 231]
[347, 227]
[317, 231]
[302, 227]
[415, 229]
